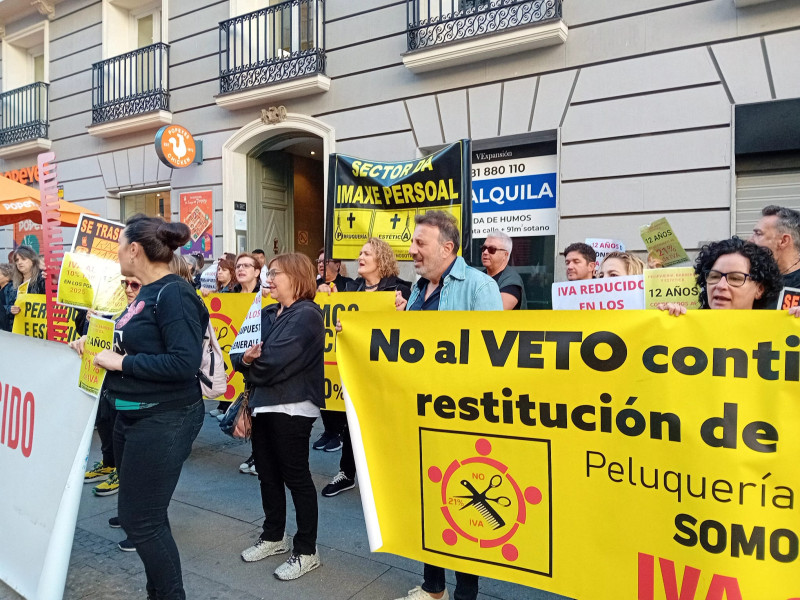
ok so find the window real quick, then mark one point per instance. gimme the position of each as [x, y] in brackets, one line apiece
[131, 24]
[152, 204]
[26, 57]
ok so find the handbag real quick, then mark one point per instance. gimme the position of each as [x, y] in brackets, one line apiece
[237, 421]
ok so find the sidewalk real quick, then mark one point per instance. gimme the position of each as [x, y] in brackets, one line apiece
[216, 513]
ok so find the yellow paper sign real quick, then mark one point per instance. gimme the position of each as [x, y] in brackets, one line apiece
[99, 337]
[333, 306]
[32, 318]
[88, 281]
[677, 285]
[662, 243]
[598, 455]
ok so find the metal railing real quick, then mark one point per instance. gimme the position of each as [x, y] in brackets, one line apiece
[131, 84]
[273, 44]
[24, 114]
[432, 22]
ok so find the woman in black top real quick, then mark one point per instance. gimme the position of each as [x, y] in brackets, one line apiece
[378, 272]
[152, 381]
[286, 373]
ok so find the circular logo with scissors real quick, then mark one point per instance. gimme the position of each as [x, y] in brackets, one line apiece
[482, 502]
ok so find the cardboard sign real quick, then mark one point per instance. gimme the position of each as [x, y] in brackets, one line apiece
[662, 243]
[98, 237]
[676, 285]
[609, 293]
[603, 246]
[89, 281]
[789, 298]
[99, 337]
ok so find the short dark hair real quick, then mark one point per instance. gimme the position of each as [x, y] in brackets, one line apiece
[447, 224]
[763, 268]
[258, 251]
[157, 237]
[788, 221]
[584, 249]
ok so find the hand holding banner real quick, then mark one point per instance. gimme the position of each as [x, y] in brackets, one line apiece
[99, 337]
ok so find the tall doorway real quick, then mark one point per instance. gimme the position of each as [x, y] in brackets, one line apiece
[286, 191]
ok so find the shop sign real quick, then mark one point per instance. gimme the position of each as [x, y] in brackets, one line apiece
[175, 146]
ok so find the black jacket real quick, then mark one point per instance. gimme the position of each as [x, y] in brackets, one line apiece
[387, 284]
[291, 366]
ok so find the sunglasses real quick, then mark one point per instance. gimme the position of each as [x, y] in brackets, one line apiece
[491, 249]
[134, 285]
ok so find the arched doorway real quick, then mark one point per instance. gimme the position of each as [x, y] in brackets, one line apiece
[279, 172]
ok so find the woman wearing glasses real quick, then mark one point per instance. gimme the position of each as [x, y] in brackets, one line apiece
[734, 274]
[247, 270]
[286, 374]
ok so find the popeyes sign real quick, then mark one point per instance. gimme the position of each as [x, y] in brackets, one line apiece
[175, 146]
[25, 175]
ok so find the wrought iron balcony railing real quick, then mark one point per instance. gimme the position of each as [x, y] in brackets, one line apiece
[432, 22]
[24, 114]
[131, 84]
[274, 44]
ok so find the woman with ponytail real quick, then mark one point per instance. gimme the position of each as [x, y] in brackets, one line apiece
[152, 382]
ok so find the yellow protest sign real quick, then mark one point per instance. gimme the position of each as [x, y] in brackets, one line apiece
[677, 285]
[89, 281]
[333, 306]
[32, 318]
[662, 243]
[99, 337]
[596, 455]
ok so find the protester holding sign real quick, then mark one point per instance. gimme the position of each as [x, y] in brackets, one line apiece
[247, 270]
[378, 272]
[580, 260]
[152, 380]
[619, 264]
[329, 274]
[734, 274]
[27, 277]
[225, 275]
[286, 372]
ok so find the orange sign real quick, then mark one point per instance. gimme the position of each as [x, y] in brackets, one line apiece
[175, 146]
[25, 175]
[28, 233]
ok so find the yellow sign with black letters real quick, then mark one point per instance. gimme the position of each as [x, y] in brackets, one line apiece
[628, 455]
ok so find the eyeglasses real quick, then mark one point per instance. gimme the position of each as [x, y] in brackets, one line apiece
[245, 266]
[491, 249]
[134, 285]
[272, 273]
[734, 278]
[325, 262]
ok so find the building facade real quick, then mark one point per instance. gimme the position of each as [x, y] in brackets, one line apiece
[643, 108]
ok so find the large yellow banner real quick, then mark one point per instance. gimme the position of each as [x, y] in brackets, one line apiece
[228, 311]
[32, 318]
[628, 455]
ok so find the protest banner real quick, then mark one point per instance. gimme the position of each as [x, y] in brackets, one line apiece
[662, 244]
[45, 433]
[99, 337]
[333, 306]
[676, 285]
[32, 318]
[197, 210]
[368, 198]
[599, 456]
[91, 282]
[98, 237]
[608, 293]
[514, 192]
[788, 298]
[603, 246]
[249, 332]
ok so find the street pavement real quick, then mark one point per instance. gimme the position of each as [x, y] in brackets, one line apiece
[216, 513]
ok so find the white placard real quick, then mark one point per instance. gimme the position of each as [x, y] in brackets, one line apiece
[609, 293]
[250, 331]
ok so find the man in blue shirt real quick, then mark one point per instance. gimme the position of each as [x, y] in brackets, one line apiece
[446, 283]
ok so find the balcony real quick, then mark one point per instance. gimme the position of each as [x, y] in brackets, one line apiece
[130, 92]
[24, 120]
[445, 33]
[272, 54]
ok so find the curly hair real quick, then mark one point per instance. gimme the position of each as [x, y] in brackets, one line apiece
[763, 268]
[384, 255]
[633, 264]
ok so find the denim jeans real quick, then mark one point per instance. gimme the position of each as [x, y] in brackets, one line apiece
[150, 451]
[466, 584]
[280, 451]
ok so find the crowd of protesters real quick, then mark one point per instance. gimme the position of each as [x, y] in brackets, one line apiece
[151, 404]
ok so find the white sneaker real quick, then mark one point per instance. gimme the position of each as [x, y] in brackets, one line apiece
[263, 549]
[297, 565]
[419, 594]
[252, 471]
[220, 416]
[247, 465]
